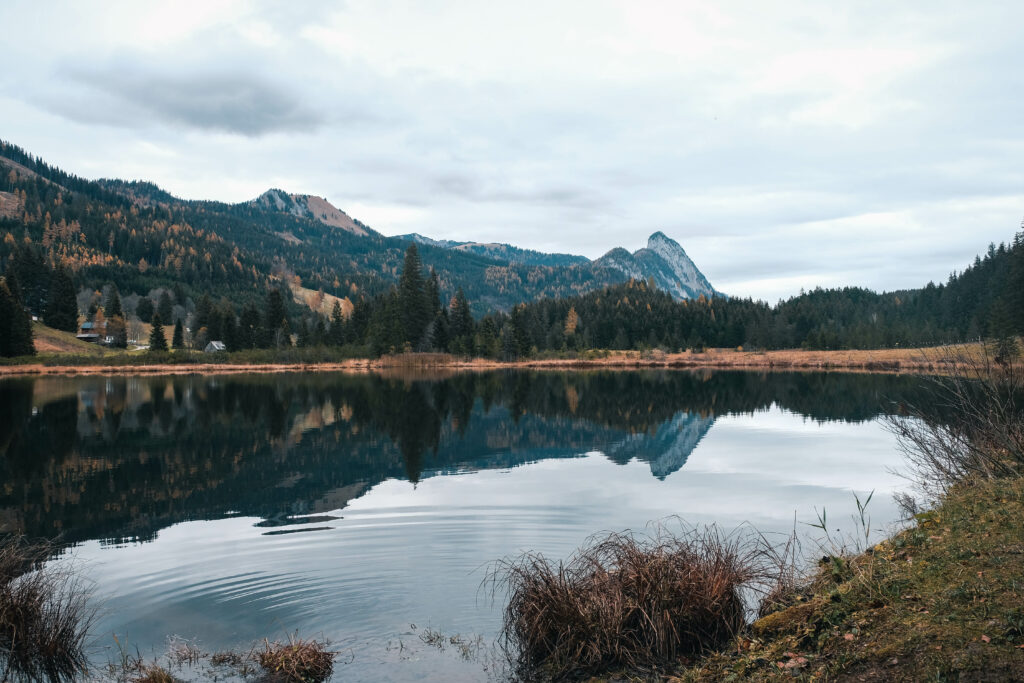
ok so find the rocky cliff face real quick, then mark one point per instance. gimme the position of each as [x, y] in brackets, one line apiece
[664, 261]
[308, 206]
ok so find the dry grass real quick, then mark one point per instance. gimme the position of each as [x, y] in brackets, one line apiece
[939, 360]
[153, 674]
[296, 661]
[969, 426]
[44, 616]
[627, 602]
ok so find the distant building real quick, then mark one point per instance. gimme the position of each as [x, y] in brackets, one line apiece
[214, 347]
[91, 332]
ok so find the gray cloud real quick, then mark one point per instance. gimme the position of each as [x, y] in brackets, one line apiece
[237, 103]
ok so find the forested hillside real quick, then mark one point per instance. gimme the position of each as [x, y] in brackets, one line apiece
[139, 238]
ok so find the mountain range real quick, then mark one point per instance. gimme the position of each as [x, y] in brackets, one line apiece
[140, 237]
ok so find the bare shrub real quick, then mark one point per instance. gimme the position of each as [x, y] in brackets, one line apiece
[969, 424]
[45, 616]
[627, 601]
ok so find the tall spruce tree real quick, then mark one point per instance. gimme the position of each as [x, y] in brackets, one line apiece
[248, 327]
[144, 309]
[62, 306]
[412, 297]
[337, 332]
[157, 340]
[165, 307]
[275, 322]
[461, 325]
[178, 339]
[15, 325]
[113, 305]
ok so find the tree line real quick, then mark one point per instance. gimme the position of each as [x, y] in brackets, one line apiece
[984, 300]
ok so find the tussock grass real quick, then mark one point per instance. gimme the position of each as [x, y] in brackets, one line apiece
[296, 661]
[627, 601]
[44, 616]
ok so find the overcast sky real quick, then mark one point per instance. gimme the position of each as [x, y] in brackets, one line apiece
[784, 145]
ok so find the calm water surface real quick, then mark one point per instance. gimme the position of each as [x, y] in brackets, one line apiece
[365, 509]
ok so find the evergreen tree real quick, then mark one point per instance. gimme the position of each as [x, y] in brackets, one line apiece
[203, 314]
[320, 331]
[304, 340]
[412, 297]
[461, 325]
[274, 331]
[29, 277]
[433, 296]
[157, 340]
[248, 327]
[145, 309]
[113, 307]
[165, 307]
[62, 307]
[230, 329]
[178, 339]
[337, 332]
[15, 325]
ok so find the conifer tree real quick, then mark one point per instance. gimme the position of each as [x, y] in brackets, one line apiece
[62, 306]
[461, 325]
[157, 340]
[15, 325]
[412, 297]
[178, 339]
[113, 307]
[274, 331]
[337, 332]
[165, 307]
[248, 327]
[145, 309]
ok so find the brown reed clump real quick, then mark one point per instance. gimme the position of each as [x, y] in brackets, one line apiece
[44, 616]
[154, 674]
[297, 661]
[627, 602]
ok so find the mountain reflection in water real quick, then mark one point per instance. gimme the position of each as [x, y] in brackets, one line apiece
[120, 458]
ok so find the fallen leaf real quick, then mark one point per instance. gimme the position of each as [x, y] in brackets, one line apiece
[849, 636]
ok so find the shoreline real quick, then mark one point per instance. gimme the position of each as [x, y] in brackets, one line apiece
[920, 360]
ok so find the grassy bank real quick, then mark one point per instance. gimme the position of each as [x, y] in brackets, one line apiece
[940, 601]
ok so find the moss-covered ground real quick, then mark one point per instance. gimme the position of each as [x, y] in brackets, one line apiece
[942, 600]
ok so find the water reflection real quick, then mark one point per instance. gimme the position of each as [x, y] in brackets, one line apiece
[119, 458]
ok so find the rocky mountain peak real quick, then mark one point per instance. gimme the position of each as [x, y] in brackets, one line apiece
[664, 260]
[311, 207]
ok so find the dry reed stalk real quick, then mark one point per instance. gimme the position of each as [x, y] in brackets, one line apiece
[45, 616]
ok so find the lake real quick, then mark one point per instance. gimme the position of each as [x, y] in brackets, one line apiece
[366, 508]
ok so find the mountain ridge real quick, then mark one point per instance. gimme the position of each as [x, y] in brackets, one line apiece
[140, 237]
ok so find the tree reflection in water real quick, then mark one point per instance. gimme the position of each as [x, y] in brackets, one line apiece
[119, 458]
